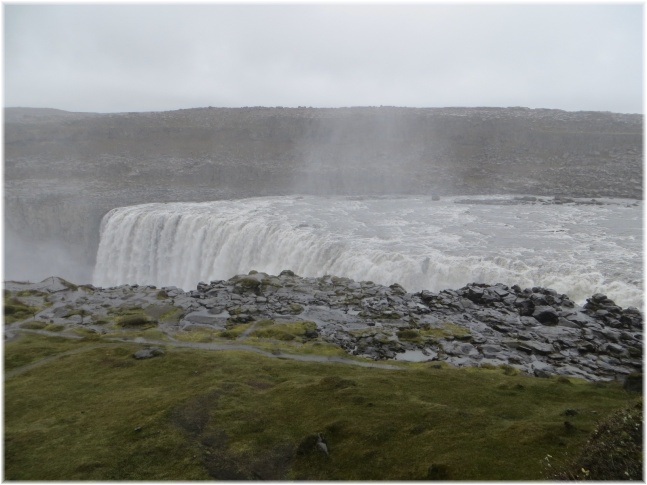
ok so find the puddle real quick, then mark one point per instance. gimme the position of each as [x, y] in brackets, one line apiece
[416, 355]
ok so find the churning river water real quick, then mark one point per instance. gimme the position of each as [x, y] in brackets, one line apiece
[575, 249]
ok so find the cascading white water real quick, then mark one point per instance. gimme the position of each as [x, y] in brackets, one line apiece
[421, 244]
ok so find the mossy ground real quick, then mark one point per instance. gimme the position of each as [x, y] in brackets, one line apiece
[198, 334]
[192, 414]
[282, 331]
[614, 451]
[15, 309]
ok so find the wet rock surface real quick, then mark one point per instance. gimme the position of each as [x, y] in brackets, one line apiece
[535, 330]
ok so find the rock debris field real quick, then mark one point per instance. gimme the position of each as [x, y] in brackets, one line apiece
[533, 330]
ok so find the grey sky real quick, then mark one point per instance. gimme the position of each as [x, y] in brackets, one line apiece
[111, 58]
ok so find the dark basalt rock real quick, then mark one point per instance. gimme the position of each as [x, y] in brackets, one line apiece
[546, 315]
[526, 307]
[535, 330]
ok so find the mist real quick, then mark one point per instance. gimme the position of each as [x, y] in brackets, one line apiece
[35, 260]
[64, 171]
[359, 151]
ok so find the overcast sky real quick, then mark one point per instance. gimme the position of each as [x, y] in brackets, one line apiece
[112, 58]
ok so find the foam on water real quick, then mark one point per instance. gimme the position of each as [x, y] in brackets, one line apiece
[421, 244]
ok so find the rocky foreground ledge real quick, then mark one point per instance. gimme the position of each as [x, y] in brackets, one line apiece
[535, 330]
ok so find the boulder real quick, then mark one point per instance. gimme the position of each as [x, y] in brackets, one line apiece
[546, 315]
[542, 369]
[525, 307]
[536, 347]
[148, 353]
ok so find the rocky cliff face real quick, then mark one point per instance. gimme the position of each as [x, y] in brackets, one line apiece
[63, 171]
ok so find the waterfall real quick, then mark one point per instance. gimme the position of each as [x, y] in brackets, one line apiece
[412, 241]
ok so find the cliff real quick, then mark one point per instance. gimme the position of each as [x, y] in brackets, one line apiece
[63, 170]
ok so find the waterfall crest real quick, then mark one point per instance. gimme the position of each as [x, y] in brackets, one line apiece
[411, 241]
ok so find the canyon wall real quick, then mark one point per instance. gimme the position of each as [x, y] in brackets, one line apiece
[64, 171]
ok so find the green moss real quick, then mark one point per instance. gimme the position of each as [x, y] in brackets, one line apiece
[33, 325]
[409, 334]
[446, 329]
[235, 310]
[265, 323]
[614, 451]
[273, 282]
[38, 293]
[140, 321]
[249, 284]
[129, 317]
[508, 370]
[125, 310]
[233, 330]
[164, 313]
[283, 331]
[197, 334]
[16, 310]
[196, 414]
[297, 346]
[29, 348]
[295, 308]
[389, 315]
[87, 333]
[172, 316]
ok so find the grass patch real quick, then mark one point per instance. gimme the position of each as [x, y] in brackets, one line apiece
[295, 308]
[446, 329]
[234, 330]
[133, 332]
[172, 315]
[37, 293]
[125, 311]
[197, 334]
[614, 451]
[16, 310]
[297, 347]
[139, 321]
[508, 370]
[28, 348]
[132, 317]
[248, 284]
[195, 414]
[87, 333]
[268, 329]
[409, 334]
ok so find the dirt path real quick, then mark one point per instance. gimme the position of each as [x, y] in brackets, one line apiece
[192, 345]
[21, 370]
[250, 348]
